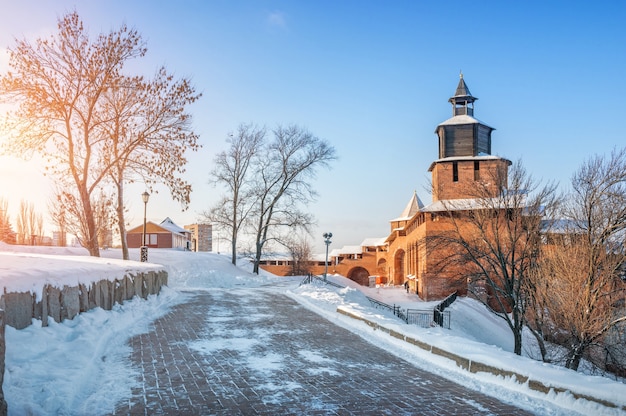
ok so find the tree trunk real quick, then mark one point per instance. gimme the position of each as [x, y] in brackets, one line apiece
[233, 237]
[91, 237]
[233, 253]
[121, 220]
[517, 335]
[260, 238]
[574, 357]
[257, 258]
[122, 228]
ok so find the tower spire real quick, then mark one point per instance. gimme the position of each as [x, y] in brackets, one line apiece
[463, 100]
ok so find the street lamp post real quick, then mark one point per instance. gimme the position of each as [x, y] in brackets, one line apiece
[144, 247]
[327, 237]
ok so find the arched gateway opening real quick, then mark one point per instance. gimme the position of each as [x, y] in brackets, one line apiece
[382, 270]
[359, 275]
[398, 268]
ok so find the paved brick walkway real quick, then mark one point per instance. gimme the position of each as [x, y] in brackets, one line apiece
[221, 353]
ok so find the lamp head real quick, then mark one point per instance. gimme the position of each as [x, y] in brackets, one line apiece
[144, 197]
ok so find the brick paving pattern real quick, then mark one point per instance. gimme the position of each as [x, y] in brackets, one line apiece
[221, 353]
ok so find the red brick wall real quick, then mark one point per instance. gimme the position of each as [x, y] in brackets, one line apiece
[444, 186]
[133, 240]
[164, 240]
[347, 267]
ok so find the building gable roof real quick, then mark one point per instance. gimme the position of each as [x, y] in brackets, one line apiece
[414, 205]
[168, 224]
[373, 242]
[346, 250]
[150, 228]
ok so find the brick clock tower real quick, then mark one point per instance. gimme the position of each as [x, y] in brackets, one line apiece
[465, 152]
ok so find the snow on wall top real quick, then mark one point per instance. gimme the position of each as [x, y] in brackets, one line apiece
[30, 272]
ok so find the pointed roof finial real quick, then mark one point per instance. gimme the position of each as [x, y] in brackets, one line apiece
[461, 74]
[462, 90]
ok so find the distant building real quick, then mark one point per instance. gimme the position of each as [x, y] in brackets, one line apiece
[59, 238]
[201, 237]
[355, 262]
[164, 235]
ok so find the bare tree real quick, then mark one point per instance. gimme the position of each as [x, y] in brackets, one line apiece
[29, 225]
[300, 251]
[148, 131]
[58, 216]
[65, 204]
[537, 313]
[233, 171]
[6, 232]
[22, 224]
[23, 231]
[38, 227]
[58, 85]
[491, 241]
[282, 182]
[584, 262]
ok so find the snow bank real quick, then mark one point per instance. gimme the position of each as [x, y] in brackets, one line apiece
[476, 336]
[72, 363]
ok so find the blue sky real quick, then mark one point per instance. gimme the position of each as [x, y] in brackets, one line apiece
[372, 78]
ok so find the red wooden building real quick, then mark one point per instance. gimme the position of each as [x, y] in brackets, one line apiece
[164, 235]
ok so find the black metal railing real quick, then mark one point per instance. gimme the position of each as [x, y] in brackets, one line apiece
[447, 302]
[307, 280]
[419, 317]
[440, 316]
[400, 313]
[422, 318]
[311, 278]
[380, 305]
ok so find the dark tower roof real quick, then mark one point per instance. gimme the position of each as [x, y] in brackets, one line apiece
[463, 135]
[462, 91]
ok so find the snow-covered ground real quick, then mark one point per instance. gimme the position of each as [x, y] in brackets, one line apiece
[81, 366]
